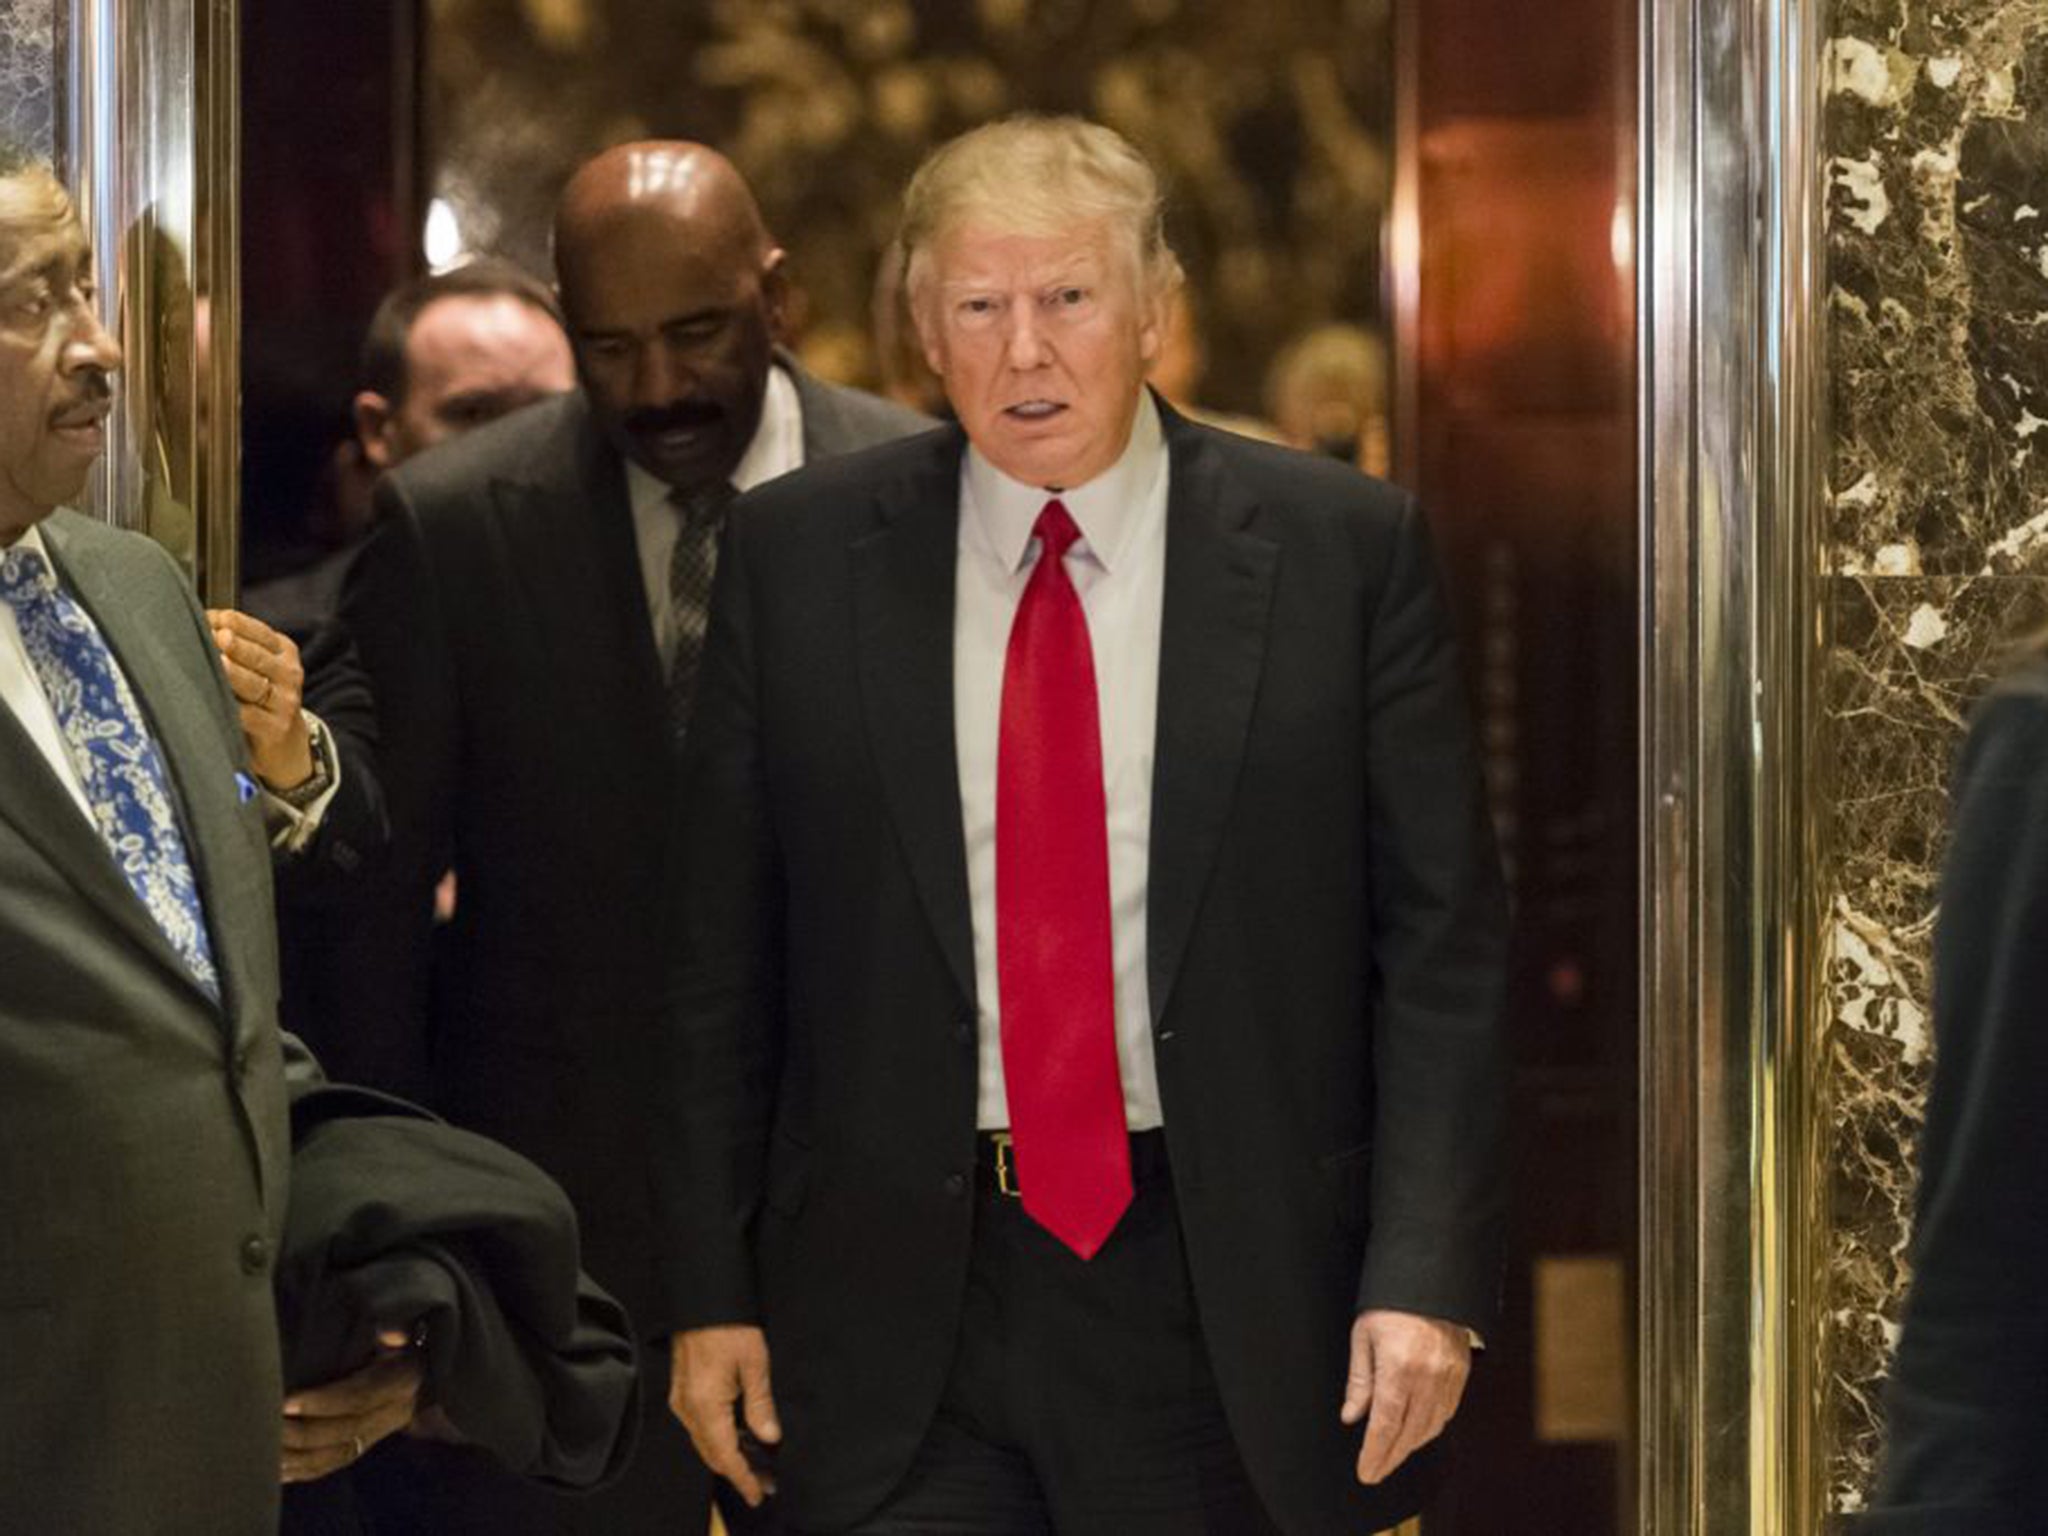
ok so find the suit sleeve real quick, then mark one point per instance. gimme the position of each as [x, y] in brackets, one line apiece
[390, 609]
[1968, 1399]
[1438, 936]
[354, 835]
[717, 1048]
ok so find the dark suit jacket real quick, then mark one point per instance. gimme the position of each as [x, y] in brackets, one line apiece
[1968, 1400]
[1325, 936]
[499, 611]
[398, 1217]
[142, 1127]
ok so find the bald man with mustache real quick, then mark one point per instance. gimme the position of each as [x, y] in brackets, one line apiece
[529, 609]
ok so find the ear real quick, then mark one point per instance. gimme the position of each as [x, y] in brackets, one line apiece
[775, 292]
[373, 427]
[1152, 323]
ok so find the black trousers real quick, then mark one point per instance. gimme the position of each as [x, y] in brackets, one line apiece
[1081, 1400]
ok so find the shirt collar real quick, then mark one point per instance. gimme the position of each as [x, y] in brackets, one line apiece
[777, 446]
[32, 540]
[1105, 509]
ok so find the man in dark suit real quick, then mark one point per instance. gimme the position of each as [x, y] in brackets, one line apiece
[143, 1152]
[1085, 1075]
[444, 354]
[529, 609]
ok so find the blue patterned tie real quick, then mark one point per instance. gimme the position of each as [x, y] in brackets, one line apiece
[113, 753]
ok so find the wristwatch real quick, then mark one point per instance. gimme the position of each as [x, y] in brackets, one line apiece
[302, 795]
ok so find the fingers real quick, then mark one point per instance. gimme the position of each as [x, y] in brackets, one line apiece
[326, 1428]
[757, 1401]
[1358, 1379]
[712, 1370]
[1385, 1431]
[707, 1414]
[262, 665]
[1417, 1368]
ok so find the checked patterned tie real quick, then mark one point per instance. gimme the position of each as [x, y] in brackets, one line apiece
[113, 753]
[691, 566]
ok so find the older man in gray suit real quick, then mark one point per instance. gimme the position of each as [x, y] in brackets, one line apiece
[143, 1155]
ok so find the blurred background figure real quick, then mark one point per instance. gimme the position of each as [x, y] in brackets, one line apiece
[454, 350]
[1968, 1398]
[444, 353]
[1327, 392]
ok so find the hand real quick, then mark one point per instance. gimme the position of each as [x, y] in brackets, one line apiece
[269, 683]
[1408, 1372]
[326, 1428]
[710, 1370]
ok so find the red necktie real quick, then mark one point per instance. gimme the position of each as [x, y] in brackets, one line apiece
[1054, 969]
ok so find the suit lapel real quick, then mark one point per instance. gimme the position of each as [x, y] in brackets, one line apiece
[1219, 593]
[41, 809]
[569, 528]
[903, 588]
[142, 630]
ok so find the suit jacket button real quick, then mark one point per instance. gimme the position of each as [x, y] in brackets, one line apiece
[255, 1255]
[956, 1184]
[241, 1061]
[964, 1032]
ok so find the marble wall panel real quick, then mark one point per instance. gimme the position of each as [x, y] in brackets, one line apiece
[1938, 204]
[28, 74]
[1937, 167]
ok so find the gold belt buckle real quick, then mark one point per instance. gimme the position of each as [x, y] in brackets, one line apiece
[1006, 1165]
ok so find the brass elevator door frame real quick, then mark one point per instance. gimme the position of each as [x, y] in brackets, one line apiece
[1731, 299]
[148, 137]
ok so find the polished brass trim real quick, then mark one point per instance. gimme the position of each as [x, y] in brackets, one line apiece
[149, 147]
[1401, 254]
[1732, 1213]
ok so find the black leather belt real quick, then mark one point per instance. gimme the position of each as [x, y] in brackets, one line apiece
[995, 1160]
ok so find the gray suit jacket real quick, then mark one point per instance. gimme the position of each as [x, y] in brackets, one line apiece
[143, 1149]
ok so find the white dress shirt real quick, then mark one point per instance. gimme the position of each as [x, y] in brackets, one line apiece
[1118, 567]
[22, 692]
[777, 448]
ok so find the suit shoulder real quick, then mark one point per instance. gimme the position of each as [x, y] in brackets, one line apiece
[1312, 485]
[2008, 735]
[132, 556]
[850, 480]
[850, 419]
[515, 446]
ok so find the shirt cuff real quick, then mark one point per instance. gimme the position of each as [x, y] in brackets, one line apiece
[292, 827]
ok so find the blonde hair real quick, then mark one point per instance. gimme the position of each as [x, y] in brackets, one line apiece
[1036, 175]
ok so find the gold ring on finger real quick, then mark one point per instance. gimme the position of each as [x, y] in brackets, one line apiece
[269, 687]
[355, 1446]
